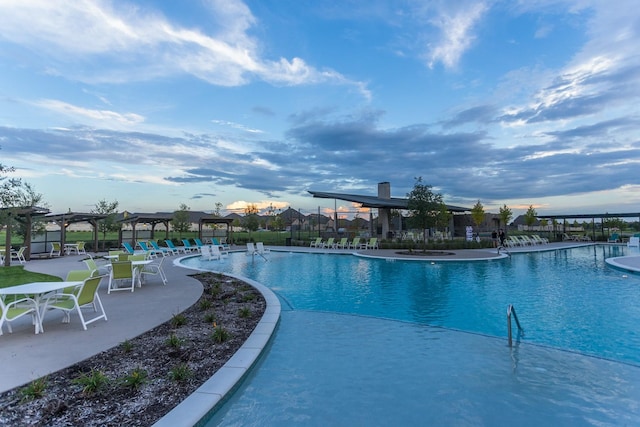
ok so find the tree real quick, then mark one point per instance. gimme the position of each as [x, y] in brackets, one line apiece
[530, 216]
[107, 224]
[505, 215]
[477, 214]
[180, 221]
[277, 223]
[425, 208]
[251, 221]
[217, 210]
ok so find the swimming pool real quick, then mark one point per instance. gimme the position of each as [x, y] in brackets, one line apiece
[363, 329]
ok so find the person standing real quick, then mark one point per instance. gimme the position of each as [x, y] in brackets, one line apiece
[494, 238]
[502, 237]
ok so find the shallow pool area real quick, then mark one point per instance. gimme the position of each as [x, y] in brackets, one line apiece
[379, 342]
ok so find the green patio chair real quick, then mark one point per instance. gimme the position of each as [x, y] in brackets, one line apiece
[10, 311]
[121, 271]
[82, 296]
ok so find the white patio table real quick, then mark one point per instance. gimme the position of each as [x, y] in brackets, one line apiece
[37, 290]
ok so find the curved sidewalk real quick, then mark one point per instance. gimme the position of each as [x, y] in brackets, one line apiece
[26, 356]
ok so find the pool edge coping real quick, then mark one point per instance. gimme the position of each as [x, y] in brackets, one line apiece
[192, 410]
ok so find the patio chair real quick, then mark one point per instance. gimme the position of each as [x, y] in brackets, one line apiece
[154, 269]
[121, 271]
[82, 296]
[174, 248]
[81, 248]
[614, 238]
[92, 265]
[56, 249]
[10, 311]
[19, 255]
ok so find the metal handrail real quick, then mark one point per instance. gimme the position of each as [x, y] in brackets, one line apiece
[511, 310]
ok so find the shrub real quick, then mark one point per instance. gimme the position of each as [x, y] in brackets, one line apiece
[244, 312]
[35, 389]
[220, 335]
[135, 379]
[92, 382]
[173, 341]
[180, 373]
[178, 319]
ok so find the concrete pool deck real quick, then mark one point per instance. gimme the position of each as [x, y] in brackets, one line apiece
[31, 356]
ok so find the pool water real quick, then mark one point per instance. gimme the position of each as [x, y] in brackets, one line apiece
[378, 342]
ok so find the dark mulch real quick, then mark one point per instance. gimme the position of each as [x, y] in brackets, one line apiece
[149, 375]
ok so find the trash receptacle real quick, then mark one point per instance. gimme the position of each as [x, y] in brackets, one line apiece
[287, 241]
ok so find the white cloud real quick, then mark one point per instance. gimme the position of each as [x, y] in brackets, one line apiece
[456, 35]
[106, 118]
[131, 43]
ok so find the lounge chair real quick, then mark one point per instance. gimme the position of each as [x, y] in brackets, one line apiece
[372, 243]
[82, 296]
[223, 245]
[316, 243]
[10, 311]
[614, 238]
[19, 255]
[158, 249]
[121, 271]
[209, 252]
[540, 240]
[188, 246]
[152, 253]
[342, 244]
[251, 249]
[329, 243]
[261, 249]
[174, 248]
[198, 242]
[127, 247]
[355, 243]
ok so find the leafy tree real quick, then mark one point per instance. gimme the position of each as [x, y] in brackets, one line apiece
[180, 221]
[277, 223]
[505, 215]
[251, 221]
[530, 216]
[425, 208]
[107, 224]
[15, 194]
[477, 214]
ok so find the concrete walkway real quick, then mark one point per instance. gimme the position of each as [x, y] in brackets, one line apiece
[25, 356]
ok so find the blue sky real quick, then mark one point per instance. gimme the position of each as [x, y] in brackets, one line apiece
[159, 103]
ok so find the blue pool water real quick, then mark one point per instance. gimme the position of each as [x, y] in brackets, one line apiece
[375, 342]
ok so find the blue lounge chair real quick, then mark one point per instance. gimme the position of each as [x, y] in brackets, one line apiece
[188, 246]
[174, 248]
[127, 247]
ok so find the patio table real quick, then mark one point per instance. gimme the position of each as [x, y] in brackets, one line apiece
[70, 247]
[37, 290]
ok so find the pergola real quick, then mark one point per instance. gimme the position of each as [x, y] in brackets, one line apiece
[66, 219]
[210, 219]
[23, 215]
[146, 218]
[592, 217]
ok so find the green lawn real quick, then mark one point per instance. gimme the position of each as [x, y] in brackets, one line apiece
[17, 275]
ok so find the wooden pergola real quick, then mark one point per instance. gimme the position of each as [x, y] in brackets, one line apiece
[66, 219]
[145, 218]
[601, 216]
[210, 219]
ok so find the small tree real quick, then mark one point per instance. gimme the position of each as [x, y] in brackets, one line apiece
[180, 221]
[477, 214]
[424, 208]
[107, 224]
[217, 210]
[505, 215]
[251, 221]
[530, 216]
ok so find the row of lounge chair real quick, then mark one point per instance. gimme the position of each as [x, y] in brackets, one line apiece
[524, 240]
[344, 243]
[153, 249]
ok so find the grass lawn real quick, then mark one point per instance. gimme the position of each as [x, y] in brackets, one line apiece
[17, 275]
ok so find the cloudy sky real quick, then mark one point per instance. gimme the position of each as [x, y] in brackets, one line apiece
[158, 103]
